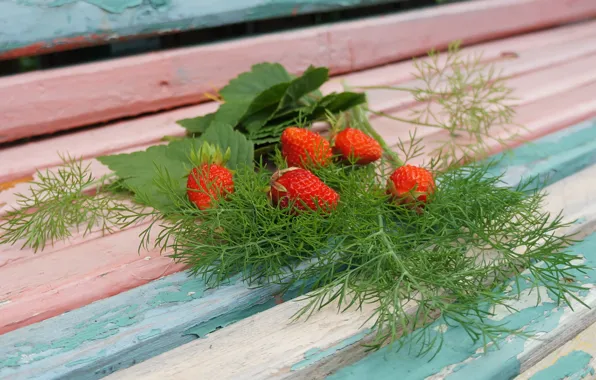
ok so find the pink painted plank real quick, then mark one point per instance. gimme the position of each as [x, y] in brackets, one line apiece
[535, 51]
[53, 283]
[97, 92]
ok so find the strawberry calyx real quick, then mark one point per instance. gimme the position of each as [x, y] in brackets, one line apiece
[209, 154]
[276, 185]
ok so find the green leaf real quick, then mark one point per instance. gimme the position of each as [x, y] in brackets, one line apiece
[256, 121]
[231, 113]
[337, 103]
[268, 98]
[198, 124]
[242, 149]
[247, 86]
[311, 80]
[138, 170]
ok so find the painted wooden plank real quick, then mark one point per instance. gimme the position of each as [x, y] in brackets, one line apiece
[71, 23]
[132, 326]
[552, 70]
[112, 89]
[573, 360]
[269, 346]
[24, 294]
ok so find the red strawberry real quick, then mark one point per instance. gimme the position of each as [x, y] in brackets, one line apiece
[210, 179]
[303, 188]
[302, 148]
[354, 144]
[409, 182]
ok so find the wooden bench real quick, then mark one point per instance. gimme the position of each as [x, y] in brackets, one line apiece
[94, 306]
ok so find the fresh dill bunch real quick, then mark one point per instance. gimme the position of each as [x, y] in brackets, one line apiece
[61, 202]
[462, 95]
[473, 233]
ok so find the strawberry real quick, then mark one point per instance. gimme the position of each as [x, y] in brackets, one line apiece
[303, 148]
[353, 144]
[304, 189]
[209, 180]
[408, 183]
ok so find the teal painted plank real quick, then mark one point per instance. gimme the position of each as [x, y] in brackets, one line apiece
[574, 365]
[115, 333]
[550, 157]
[29, 26]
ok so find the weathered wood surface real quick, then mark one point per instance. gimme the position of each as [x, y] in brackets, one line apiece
[114, 333]
[567, 50]
[108, 90]
[268, 345]
[573, 360]
[62, 271]
[69, 24]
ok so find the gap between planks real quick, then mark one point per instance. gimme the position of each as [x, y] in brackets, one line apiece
[99, 92]
[111, 271]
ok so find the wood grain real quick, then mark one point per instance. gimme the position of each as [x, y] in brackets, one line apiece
[98, 92]
[116, 332]
[72, 24]
[574, 359]
[269, 346]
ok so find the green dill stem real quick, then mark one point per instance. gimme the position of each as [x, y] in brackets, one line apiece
[410, 121]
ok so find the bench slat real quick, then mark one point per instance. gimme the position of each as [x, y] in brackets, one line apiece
[574, 359]
[116, 332]
[97, 23]
[98, 92]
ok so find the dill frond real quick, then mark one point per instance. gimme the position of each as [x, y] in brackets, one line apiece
[60, 202]
[463, 96]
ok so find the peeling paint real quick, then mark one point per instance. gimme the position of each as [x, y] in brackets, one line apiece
[112, 6]
[205, 328]
[70, 20]
[315, 355]
[98, 327]
[191, 289]
[149, 334]
[89, 359]
[575, 364]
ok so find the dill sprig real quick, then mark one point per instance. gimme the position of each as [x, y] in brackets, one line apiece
[60, 202]
[463, 96]
[473, 235]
